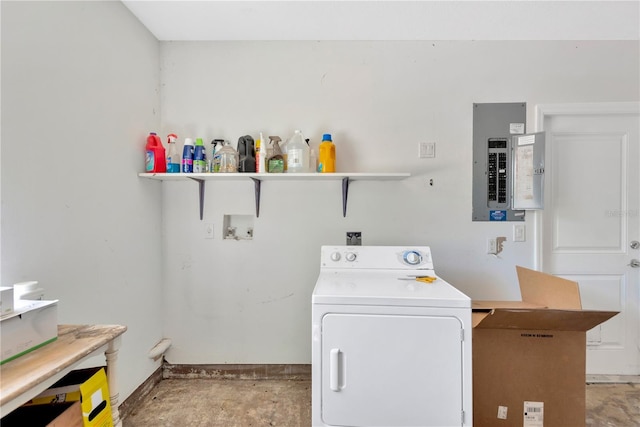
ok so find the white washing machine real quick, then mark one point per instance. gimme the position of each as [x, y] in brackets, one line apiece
[388, 350]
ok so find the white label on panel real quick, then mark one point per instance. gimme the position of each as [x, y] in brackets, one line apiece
[526, 140]
[516, 128]
[524, 171]
[533, 414]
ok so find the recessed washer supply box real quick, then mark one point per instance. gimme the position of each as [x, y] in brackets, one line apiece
[6, 300]
[31, 325]
[529, 356]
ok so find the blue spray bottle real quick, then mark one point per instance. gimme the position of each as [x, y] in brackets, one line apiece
[187, 156]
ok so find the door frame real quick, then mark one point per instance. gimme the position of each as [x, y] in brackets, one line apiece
[544, 111]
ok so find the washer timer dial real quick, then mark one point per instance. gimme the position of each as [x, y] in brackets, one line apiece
[412, 257]
[351, 256]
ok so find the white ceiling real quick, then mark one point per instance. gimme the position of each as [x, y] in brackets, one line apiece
[389, 20]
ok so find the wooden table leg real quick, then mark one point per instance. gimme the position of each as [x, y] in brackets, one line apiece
[112, 378]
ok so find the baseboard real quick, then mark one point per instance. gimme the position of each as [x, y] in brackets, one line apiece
[613, 379]
[135, 399]
[237, 371]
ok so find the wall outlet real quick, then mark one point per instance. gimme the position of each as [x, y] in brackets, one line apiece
[208, 231]
[492, 247]
[519, 233]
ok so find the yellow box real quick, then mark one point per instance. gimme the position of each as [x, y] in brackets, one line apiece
[96, 406]
[89, 386]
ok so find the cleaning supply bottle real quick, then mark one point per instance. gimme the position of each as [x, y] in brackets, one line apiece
[199, 157]
[267, 152]
[327, 155]
[229, 158]
[216, 155]
[259, 155]
[155, 161]
[173, 156]
[210, 158]
[247, 152]
[275, 159]
[258, 142]
[187, 156]
[297, 154]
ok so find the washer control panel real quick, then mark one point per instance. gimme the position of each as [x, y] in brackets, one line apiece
[376, 257]
[412, 257]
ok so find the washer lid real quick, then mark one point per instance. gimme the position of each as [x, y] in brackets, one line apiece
[386, 288]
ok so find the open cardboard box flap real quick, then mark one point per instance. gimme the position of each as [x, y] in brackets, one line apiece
[548, 303]
[543, 319]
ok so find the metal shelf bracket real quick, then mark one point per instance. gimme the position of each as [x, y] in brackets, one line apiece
[345, 195]
[256, 186]
[201, 195]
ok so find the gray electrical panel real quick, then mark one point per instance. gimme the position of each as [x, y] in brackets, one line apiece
[494, 125]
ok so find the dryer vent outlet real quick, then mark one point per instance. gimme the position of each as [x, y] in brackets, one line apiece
[354, 238]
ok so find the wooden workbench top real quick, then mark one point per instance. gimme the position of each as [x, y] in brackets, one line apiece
[74, 343]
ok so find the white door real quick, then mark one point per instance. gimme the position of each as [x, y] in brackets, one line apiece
[391, 370]
[591, 221]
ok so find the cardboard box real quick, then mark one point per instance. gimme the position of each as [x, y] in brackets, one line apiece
[89, 387]
[6, 300]
[529, 356]
[31, 325]
[58, 415]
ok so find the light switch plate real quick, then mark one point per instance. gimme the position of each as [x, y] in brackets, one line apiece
[519, 233]
[427, 150]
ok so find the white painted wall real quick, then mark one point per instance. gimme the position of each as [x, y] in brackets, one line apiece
[249, 301]
[80, 90]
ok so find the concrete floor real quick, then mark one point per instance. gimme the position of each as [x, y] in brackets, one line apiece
[224, 403]
[613, 405]
[287, 403]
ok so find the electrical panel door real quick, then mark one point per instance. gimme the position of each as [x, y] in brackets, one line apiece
[528, 171]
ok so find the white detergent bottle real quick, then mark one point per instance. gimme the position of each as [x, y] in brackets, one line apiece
[297, 154]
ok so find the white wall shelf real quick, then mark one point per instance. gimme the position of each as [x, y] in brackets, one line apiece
[257, 179]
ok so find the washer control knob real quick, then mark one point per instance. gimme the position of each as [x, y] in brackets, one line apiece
[412, 257]
[335, 256]
[351, 256]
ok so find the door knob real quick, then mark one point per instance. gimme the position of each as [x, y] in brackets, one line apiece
[634, 263]
[634, 244]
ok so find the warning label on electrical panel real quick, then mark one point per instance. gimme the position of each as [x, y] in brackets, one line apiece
[497, 215]
[516, 128]
[533, 414]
